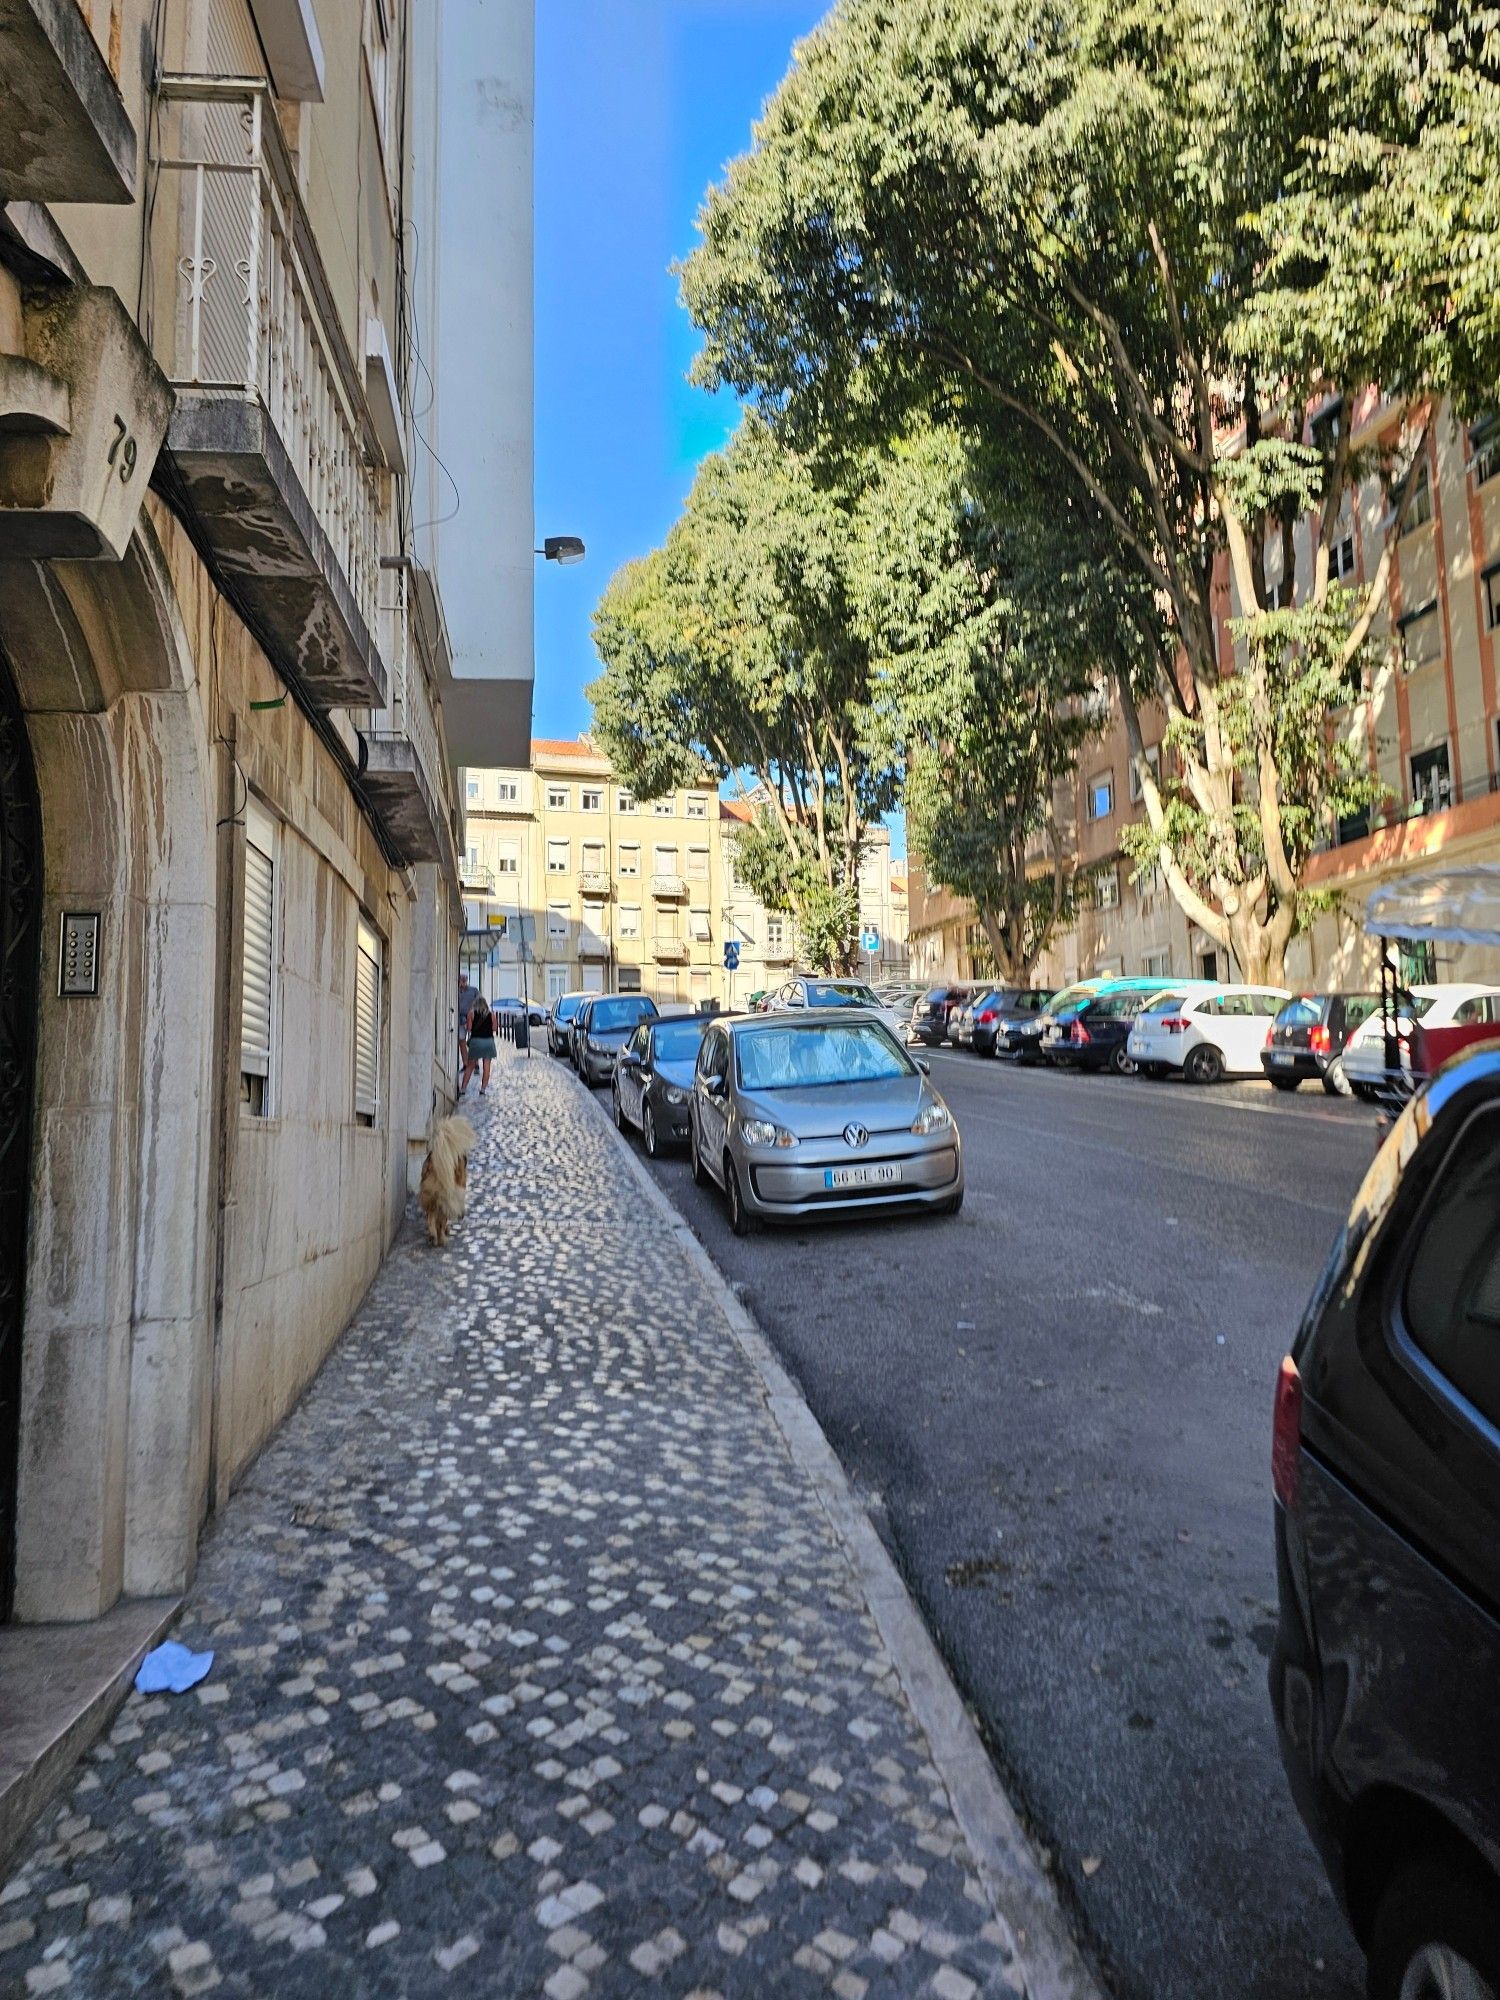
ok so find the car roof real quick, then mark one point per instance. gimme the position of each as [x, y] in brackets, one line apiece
[835, 1017]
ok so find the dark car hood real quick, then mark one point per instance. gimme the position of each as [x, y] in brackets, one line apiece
[678, 1074]
[613, 1038]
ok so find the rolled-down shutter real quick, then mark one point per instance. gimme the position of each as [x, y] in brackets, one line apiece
[367, 1023]
[260, 943]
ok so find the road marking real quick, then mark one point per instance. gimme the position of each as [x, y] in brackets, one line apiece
[1202, 1099]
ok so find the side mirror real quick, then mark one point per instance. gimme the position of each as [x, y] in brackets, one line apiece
[714, 1085]
[923, 1065]
[630, 1059]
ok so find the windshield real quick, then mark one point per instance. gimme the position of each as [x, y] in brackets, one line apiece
[608, 1016]
[839, 993]
[568, 1006]
[677, 1041]
[798, 1058]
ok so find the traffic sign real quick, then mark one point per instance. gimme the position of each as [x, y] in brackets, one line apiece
[869, 940]
[731, 956]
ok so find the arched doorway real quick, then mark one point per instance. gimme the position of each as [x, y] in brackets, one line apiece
[20, 950]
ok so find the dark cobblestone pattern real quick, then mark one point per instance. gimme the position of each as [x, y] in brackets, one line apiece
[539, 1668]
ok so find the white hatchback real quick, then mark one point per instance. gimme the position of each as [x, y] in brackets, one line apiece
[1445, 1005]
[1209, 1033]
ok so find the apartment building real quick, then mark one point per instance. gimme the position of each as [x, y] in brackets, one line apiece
[229, 892]
[1427, 718]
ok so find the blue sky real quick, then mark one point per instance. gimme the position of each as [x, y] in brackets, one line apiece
[639, 105]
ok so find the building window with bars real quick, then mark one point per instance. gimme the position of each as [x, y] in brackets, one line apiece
[367, 963]
[1431, 780]
[258, 967]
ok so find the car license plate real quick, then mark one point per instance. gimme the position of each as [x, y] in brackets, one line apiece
[1282, 1056]
[847, 1177]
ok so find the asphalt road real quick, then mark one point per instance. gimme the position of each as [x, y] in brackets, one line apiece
[1057, 1408]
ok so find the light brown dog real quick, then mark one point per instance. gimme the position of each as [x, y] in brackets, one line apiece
[443, 1194]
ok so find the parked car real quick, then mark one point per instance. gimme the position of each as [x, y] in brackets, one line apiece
[1056, 1018]
[1437, 1008]
[535, 1012]
[930, 1013]
[823, 1111]
[974, 1025]
[1093, 1034]
[602, 1027]
[900, 995]
[653, 1081]
[1208, 1034]
[806, 991]
[1386, 1471]
[1308, 1037]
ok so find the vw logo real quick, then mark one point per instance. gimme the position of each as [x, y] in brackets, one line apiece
[855, 1135]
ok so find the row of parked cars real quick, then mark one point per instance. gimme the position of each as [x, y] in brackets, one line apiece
[1202, 1030]
[813, 1106]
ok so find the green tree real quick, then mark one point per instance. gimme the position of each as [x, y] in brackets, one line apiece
[1090, 232]
[733, 649]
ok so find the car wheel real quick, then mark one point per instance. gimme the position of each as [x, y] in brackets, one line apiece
[1436, 1933]
[1120, 1063]
[740, 1219]
[1285, 1082]
[700, 1178]
[1204, 1064]
[648, 1133]
[1334, 1080]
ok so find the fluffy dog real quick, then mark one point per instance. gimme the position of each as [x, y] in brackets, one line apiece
[444, 1191]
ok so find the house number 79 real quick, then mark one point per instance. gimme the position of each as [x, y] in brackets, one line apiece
[123, 449]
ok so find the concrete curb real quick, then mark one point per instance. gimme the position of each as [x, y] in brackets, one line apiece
[1022, 1895]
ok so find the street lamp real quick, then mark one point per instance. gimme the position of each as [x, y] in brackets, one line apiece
[562, 549]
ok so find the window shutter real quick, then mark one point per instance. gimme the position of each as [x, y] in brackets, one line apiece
[366, 1023]
[260, 943]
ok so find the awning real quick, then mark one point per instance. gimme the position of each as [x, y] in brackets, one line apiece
[1456, 906]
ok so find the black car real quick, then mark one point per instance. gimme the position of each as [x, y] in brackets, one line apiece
[995, 1012]
[653, 1084]
[602, 1027]
[560, 1023]
[1092, 1034]
[1386, 1470]
[1308, 1037]
[930, 1015]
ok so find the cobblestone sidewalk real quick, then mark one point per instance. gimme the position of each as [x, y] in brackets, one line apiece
[539, 1667]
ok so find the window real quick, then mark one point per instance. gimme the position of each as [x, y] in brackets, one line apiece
[630, 920]
[1107, 888]
[664, 808]
[697, 863]
[366, 1024]
[1419, 507]
[698, 926]
[377, 40]
[1470, 1012]
[1418, 964]
[1452, 1295]
[664, 861]
[558, 917]
[1431, 780]
[1484, 448]
[557, 798]
[1153, 763]
[666, 982]
[1341, 558]
[697, 806]
[559, 859]
[591, 799]
[775, 935]
[630, 860]
[508, 858]
[1157, 965]
[624, 802]
[472, 788]
[592, 861]
[1492, 597]
[507, 790]
[628, 979]
[1101, 797]
[699, 987]
[557, 983]
[258, 970]
[1421, 636]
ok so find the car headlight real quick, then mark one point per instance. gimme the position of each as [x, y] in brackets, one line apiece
[933, 1117]
[673, 1095]
[761, 1132]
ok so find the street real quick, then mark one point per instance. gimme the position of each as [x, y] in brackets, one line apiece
[1057, 1408]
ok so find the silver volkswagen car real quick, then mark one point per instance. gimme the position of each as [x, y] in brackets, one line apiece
[820, 1110]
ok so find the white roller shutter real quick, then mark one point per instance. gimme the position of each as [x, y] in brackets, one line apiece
[367, 1023]
[258, 978]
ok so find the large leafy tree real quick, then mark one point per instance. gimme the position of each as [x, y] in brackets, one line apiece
[734, 648]
[1094, 234]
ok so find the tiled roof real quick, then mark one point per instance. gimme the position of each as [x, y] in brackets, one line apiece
[550, 746]
[735, 809]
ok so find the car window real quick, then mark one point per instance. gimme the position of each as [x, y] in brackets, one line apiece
[608, 1016]
[638, 1041]
[1470, 1011]
[1452, 1300]
[1359, 1007]
[713, 1057]
[677, 1041]
[1300, 1013]
[824, 1052]
[1265, 1006]
[839, 993]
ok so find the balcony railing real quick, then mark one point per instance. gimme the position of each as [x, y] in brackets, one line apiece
[668, 887]
[594, 881]
[591, 945]
[405, 767]
[255, 323]
[476, 879]
[669, 950]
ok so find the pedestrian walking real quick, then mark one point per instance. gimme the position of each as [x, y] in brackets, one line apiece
[468, 993]
[481, 1046]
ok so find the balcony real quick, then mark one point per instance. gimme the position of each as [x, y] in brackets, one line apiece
[401, 756]
[476, 880]
[669, 950]
[594, 881]
[270, 437]
[591, 945]
[66, 135]
[668, 888]
[777, 954]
